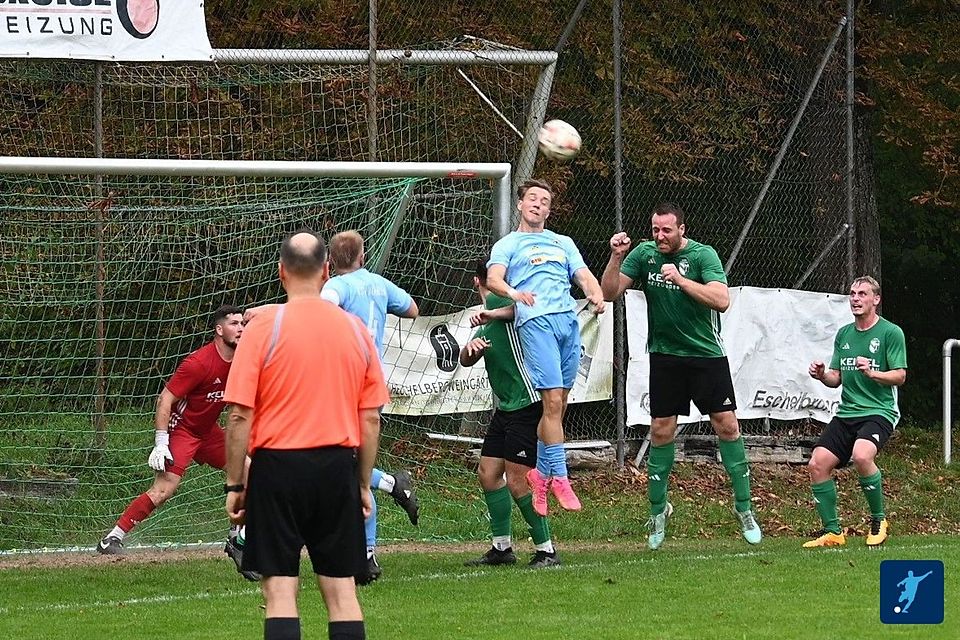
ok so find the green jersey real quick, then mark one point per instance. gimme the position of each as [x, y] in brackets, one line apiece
[504, 361]
[676, 323]
[884, 345]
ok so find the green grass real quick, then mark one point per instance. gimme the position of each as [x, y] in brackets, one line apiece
[689, 589]
[922, 495]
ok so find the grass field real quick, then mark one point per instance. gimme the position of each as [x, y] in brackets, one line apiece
[688, 589]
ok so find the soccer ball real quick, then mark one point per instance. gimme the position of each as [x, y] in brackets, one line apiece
[558, 140]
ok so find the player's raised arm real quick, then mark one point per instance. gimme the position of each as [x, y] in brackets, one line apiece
[614, 282]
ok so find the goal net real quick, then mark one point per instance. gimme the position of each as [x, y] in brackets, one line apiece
[110, 280]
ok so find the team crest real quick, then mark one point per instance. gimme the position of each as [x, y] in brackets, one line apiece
[874, 345]
[683, 266]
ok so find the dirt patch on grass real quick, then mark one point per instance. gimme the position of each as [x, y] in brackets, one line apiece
[144, 556]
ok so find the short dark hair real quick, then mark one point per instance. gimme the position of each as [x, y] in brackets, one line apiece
[345, 248]
[668, 208]
[530, 184]
[481, 270]
[303, 261]
[223, 312]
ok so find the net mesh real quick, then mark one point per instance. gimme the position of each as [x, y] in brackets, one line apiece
[105, 296]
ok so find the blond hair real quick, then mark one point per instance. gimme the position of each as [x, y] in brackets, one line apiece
[345, 248]
[874, 285]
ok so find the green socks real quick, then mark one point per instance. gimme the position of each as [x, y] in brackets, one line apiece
[659, 464]
[734, 458]
[499, 506]
[873, 490]
[825, 498]
[539, 529]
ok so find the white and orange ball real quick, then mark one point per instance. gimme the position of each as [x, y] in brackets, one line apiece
[559, 140]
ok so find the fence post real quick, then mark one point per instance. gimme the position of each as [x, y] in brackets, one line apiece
[948, 348]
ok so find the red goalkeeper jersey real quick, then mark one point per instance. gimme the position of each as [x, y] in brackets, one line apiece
[199, 382]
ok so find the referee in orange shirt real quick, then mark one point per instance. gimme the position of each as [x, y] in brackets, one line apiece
[306, 388]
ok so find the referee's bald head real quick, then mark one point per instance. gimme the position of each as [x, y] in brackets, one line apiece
[303, 254]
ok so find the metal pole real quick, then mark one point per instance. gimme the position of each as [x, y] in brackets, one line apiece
[372, 86]
[948, 348]
[383, 56]
[851, 221]
[619, 310]
[823, 254]
[568, 30]
[100, 398]
[503, 211]
[771, 174]
[538, 108]
[287, 168]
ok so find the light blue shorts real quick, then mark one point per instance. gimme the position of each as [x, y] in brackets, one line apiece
[551, 350]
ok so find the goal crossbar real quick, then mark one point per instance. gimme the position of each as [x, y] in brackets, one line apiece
[498, 172]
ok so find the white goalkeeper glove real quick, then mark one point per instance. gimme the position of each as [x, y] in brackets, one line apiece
[161, 452]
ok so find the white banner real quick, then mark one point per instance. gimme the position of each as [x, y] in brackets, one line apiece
[425, 376]
[771, 336]
[114, 30]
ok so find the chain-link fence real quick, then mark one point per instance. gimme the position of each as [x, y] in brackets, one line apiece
[705, 95]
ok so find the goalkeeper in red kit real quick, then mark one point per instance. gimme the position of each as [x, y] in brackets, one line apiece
[186, 426]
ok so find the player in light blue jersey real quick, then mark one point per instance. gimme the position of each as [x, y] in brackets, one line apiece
[370, 297]
[534, 267]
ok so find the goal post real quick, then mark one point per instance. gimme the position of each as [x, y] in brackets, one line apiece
[112, 268]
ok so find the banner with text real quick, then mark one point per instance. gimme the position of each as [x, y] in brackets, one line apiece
[114, 30]
[425, 377]
[771, 337]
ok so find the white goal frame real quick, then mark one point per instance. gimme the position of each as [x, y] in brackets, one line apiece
[498, 172]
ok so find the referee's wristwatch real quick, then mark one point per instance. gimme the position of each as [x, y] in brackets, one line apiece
[230, 488]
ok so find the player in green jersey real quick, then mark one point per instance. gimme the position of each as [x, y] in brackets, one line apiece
[510, 445]
[686, 290]
[870, 361]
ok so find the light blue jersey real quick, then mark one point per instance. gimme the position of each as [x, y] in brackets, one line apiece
[368, 296]
[542, 263]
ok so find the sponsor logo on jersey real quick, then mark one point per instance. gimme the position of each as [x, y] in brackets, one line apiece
[850, 362]
[656, 279]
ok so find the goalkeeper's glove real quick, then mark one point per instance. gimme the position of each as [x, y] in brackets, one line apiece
[161, 452]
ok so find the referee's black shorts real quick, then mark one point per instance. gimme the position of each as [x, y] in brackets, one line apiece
[304, 498]
[675, 381]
